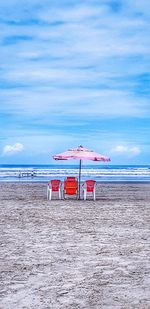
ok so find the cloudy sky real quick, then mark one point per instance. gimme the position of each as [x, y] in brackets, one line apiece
[74, 72]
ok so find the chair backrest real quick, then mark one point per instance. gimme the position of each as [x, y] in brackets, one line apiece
[70, 186]
[71, 178]
[55, 184]
[90, 185]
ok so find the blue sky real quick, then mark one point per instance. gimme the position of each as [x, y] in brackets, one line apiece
[74, 72]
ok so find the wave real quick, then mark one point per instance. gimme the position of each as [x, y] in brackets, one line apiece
[100, 174]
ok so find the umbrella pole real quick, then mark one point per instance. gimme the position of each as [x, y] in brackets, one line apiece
[80, 176]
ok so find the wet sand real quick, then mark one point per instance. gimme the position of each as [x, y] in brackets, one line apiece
[75, 254]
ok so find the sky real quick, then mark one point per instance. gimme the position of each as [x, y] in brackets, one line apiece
[74, 73]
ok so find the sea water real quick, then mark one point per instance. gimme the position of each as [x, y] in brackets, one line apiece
[99, 172]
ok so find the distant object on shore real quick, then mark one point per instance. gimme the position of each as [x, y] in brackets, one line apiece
[27, 174]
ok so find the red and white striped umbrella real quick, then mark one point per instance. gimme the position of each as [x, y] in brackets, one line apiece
[81, 153]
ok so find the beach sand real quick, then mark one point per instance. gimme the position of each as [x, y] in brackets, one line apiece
[75, 254]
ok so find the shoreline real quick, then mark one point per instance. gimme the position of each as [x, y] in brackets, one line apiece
[98, 182]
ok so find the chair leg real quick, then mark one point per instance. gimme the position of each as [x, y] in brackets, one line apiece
[47, 193]
[50, 194]
[84, 194]
[94, 195]
[59, 194]
[63, 194]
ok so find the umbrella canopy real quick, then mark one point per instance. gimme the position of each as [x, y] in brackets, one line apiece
[81, 153]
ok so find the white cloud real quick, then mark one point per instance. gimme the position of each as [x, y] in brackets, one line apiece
[131, 151]
[11, 149]
[135, 150]
[120, 149]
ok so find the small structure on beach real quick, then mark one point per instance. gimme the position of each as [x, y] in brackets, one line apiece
[27, 174]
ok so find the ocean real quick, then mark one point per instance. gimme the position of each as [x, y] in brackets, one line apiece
[98, 172]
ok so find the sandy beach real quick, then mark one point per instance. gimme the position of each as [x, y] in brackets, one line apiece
[75, 254]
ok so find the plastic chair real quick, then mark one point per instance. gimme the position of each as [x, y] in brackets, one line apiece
[54, 186]
[70, 186]
[89, 187]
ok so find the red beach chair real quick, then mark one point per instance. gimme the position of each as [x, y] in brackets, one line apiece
[54, 186]
[71, 186]
[89, 187]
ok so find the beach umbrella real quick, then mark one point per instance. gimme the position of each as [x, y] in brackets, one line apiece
[80, 153]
